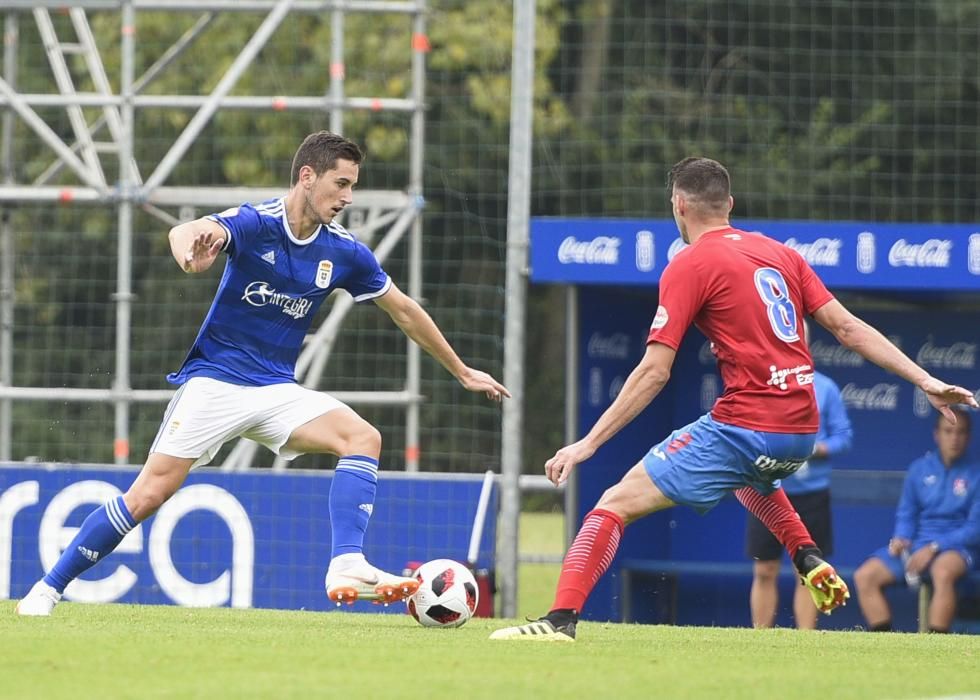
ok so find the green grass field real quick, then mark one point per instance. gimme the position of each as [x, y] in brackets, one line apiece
[124, 651]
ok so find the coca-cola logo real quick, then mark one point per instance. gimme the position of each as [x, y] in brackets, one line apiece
[932, 253]
[834, 355]
[602, 250]
[880, 397]
[955, 356]
[823, 252]
[609, 347]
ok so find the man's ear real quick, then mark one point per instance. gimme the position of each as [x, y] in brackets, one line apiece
[307, 176]
[679, 203]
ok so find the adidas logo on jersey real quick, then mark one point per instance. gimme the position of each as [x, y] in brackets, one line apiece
[88, 554]
[270, 257]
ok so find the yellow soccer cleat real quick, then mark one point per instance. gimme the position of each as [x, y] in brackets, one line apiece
[827, 589]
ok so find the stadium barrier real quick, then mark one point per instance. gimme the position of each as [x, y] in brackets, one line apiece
[671, 572]
[239, 539]
[716, 592]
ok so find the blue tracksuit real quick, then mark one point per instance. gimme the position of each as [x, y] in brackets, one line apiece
[834, 432]
[941, 505]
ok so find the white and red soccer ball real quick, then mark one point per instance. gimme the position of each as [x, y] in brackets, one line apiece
[447, 594]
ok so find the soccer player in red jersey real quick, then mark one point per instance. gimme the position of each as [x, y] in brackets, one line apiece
[748, 294]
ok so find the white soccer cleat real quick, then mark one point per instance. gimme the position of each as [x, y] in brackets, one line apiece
[541, 630]
[39, 601]
[361, 581]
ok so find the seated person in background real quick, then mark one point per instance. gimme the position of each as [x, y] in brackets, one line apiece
[937, 530]
[809, 492]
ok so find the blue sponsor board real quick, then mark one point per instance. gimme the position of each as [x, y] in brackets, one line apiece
[228, 539]
[846, 254]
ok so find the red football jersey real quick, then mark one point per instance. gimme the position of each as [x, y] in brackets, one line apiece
[748, 294]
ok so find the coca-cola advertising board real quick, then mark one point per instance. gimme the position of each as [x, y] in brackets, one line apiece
[846, 254]
[892, 420]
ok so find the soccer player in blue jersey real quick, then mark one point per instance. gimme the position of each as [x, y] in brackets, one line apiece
[937, 531]
[284, 257]
[808, 490]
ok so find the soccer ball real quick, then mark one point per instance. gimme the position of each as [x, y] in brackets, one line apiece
[447, 594]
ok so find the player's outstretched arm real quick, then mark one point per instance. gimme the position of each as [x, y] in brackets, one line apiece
[414, 322]
[641, 387]
[196, 244]
[856, 335]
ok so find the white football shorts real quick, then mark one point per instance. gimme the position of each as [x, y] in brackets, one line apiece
[206, 413]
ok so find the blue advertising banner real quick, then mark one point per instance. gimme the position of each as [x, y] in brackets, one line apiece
[846, 254]
[227, 539]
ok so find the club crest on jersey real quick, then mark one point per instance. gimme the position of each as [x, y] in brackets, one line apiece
[324, 272]
[959, 487]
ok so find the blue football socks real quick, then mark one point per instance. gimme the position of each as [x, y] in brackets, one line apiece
[351, 502]
[100, 533]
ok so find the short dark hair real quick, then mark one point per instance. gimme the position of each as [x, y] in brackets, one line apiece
[704, 180]
[321, 150]
[962, 415]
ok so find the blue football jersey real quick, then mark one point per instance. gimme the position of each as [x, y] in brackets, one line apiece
[272, 286]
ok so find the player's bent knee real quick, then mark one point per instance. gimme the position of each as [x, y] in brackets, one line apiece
[612, 501]
[143, 502]
[868, 577]
[364, 439]
[944, 576]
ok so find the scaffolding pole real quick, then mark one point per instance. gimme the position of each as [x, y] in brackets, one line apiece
[382, 207]
[420, 44]
[7, 291]
[518, 215]
[124, 254]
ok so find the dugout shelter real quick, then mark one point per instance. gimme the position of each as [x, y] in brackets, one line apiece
[917, 283]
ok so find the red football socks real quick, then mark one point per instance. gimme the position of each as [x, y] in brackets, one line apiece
[777, 513]
[588, 558]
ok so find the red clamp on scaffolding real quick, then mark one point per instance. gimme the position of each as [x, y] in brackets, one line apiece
[420, 43]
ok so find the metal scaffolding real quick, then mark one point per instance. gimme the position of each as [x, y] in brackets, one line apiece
[111, 135]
